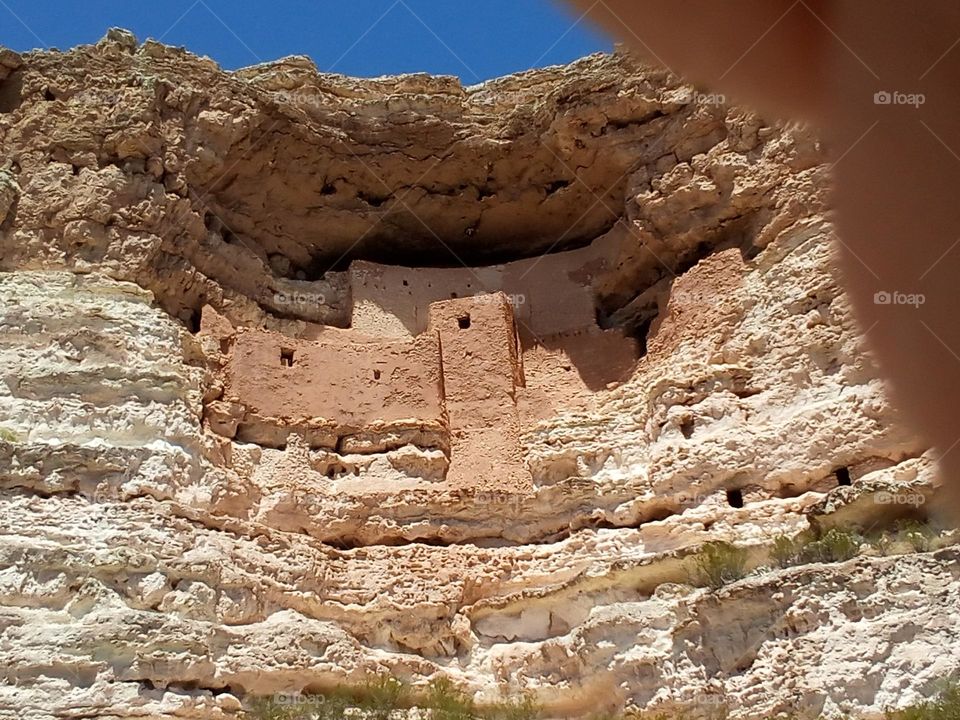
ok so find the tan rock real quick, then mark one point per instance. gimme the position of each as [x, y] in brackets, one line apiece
[501, 474]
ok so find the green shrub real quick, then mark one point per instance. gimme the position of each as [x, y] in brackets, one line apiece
[945, 706]
[883, 543]
[785, 551]
[835, 545]
[446, 702]
[908, 535]
[374, 700]
[525, 709]
[381, 697]
[918, 535]
[8, 435]
[719, 563]
[268, 708]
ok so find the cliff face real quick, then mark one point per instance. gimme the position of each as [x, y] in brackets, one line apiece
[242, 452]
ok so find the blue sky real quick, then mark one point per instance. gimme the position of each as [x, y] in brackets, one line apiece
[475, 40]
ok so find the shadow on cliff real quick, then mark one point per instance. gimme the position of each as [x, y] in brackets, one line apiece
[599, 358]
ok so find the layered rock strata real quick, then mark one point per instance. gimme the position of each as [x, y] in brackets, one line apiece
[202, 505]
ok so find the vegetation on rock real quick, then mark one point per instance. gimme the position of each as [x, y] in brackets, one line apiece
[945, 706]
[381, 698]
[385, 698]
[835, 545]
[719, 563]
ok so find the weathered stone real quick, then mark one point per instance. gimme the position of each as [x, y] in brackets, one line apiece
[517, 509]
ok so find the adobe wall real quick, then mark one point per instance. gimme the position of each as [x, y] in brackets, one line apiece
[454, 386]
[481, 375]
[337, 390]
[551, 293]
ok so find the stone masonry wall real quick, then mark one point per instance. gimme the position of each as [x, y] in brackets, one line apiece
[481, 373]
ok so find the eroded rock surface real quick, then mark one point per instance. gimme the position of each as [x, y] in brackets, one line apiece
[291, 396]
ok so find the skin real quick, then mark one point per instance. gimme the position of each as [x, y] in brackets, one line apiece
[896, 166]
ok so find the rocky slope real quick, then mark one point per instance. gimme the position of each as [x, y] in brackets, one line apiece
[154, 569]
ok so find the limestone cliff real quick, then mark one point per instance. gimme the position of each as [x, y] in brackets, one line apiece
[308, 378]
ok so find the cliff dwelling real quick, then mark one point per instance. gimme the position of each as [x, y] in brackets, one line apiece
[451, 363]
[263, 433]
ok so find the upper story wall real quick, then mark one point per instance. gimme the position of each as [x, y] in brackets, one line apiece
[481, 374]
[550, 294]
[337, 388]
[481, 360]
